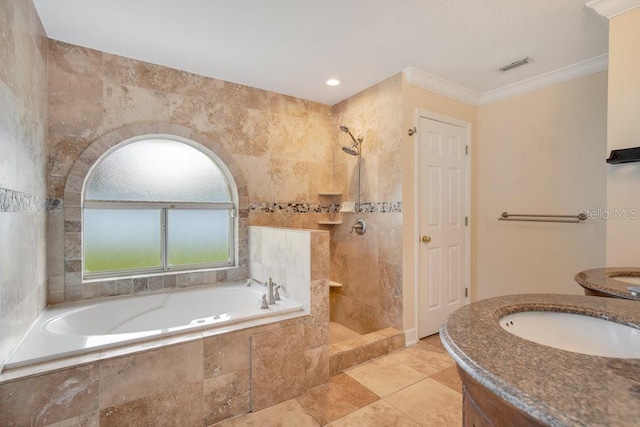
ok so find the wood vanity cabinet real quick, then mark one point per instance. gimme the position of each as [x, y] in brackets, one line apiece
[593, 293]
[482, 408]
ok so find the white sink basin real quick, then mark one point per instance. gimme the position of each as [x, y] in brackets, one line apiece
[575, 332]
[635, 280]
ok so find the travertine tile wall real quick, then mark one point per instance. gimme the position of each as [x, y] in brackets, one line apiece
[198, 382]
[369, 266]
[281, 144]
[23, 118]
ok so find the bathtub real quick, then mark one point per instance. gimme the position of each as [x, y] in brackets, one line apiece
[71, 329]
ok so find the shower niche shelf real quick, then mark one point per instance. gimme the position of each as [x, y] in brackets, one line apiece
[330, 194]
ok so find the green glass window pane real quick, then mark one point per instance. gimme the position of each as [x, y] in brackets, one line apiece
[196, 236]
[121, 239]
[158, 170]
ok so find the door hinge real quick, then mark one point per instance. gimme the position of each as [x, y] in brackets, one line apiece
[466, 292]
[466, 150]
[466, 221]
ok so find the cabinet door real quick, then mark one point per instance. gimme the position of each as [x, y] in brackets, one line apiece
[472, 415]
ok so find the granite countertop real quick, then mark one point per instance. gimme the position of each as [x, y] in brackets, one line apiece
[604, 280]
[556, 387]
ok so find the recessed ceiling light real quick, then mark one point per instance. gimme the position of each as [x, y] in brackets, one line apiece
[333, 82]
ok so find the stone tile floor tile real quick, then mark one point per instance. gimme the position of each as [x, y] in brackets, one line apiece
[379, 413]
[420, 386]
[339, 397]
[424, 359]
[286, 414]
[433, 340]
[450, 378]
[429, 403]
[385, 375]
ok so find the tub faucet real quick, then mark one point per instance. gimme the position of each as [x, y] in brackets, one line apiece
[270, 287]
[263, 302]
[276, 293]
[251, 279]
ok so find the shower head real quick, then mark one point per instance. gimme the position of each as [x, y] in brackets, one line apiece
[354, 149]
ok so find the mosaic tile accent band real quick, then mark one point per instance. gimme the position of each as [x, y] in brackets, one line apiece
[15, 201]
[368, 207]
[55, 205]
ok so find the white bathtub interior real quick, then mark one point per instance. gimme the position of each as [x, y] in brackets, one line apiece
[71, 329]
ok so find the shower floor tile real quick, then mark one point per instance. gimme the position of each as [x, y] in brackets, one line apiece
[338, 333]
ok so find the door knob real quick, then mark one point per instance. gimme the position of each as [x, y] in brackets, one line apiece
[426, 239]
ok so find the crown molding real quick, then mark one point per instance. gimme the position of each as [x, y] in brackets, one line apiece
[452, 90]
[443, 87]
[611, 8]
[564, 74]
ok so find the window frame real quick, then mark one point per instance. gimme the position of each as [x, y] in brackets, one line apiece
[230, 206]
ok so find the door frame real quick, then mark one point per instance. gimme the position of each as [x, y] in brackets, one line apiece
[416, 230]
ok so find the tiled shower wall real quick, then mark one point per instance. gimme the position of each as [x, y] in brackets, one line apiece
[23, 118]
[369, 266]
[281, 144]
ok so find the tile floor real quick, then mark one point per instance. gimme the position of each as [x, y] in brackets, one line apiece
[415, 386]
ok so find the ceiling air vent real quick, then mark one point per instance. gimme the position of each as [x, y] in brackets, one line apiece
[515, 64]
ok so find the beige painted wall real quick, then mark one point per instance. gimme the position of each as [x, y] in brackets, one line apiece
[623, 181]
[23, 222]
[541, 153]
[417, 98]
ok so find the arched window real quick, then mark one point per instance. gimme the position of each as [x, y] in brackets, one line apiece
[157, 204]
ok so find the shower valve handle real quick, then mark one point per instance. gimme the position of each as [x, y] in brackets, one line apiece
[360, 226]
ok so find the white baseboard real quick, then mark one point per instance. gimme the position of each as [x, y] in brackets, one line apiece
[410, 337]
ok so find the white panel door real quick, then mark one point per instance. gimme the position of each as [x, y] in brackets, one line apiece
[442, 198]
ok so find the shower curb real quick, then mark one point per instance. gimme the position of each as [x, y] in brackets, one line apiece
[354, 351]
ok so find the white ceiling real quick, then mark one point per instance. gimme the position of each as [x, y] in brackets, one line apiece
[293, 46]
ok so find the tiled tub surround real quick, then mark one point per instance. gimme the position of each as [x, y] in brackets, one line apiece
[553, 386]
[192, 379]
[70, 329]
[609, 281]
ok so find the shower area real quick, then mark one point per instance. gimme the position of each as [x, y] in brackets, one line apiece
[366, 246]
